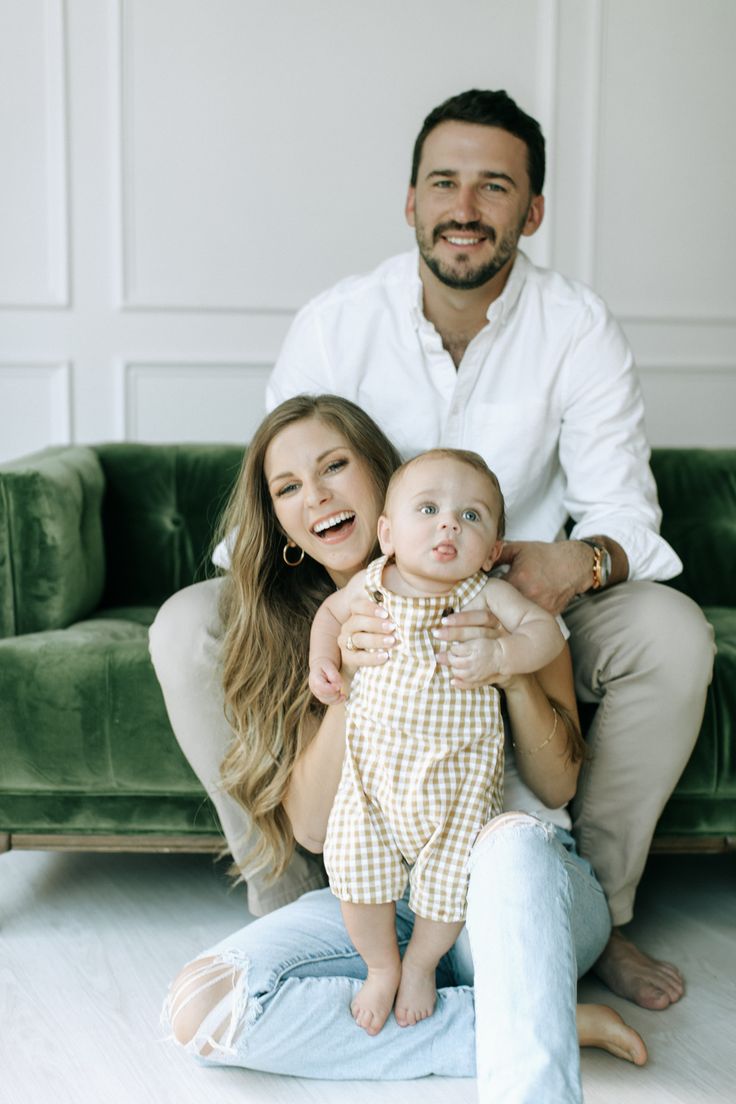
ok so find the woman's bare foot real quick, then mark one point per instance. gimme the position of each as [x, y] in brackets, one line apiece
[375, 998]
[600, 1026]
[632, 974]
[417, 994]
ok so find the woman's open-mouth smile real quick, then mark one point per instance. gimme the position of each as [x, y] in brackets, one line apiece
[335, 527]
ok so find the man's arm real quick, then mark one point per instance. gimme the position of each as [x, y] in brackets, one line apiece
[604, 453]
[552, 574]
[302, 366]
[610, 490]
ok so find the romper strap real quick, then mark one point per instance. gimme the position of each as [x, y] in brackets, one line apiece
[468, 589]
[373, 579]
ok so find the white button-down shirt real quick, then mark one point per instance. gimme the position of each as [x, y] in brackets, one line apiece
[547, 393]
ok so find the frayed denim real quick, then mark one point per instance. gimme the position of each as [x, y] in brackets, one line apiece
[276, 995]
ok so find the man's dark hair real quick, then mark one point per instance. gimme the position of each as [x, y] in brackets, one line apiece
[493, 109]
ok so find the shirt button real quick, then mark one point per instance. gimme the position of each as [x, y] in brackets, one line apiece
[377, 596]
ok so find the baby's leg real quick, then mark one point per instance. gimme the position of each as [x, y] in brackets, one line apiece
[417, 993]
[372, 929]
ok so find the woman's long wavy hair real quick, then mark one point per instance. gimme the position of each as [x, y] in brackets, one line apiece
[267, 611]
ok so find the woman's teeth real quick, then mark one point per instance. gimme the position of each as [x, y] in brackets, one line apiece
[332, 523]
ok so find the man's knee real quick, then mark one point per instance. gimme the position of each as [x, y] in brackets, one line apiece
[185, 630]
[642, 628]
[675, 627]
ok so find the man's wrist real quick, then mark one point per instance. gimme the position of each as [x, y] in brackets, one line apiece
[601, 566]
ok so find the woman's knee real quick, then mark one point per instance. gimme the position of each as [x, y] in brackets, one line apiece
[506, 821]
[515, 840]
[203, 1006]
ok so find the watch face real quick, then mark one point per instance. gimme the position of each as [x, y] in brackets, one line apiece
[605, 565]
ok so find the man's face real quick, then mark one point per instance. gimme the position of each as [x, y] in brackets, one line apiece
[472, 202]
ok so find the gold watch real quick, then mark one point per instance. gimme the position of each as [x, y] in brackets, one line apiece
[601, 563]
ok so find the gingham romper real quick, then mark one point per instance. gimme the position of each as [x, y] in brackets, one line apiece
[423, 767]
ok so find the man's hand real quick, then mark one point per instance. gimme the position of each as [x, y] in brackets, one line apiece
[549, 574]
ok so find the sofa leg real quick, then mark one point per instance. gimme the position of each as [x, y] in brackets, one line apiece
[5, 842]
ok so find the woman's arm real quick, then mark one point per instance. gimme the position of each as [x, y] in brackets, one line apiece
[314, 780]
[316, 773]
[543, 736]
[540, 731]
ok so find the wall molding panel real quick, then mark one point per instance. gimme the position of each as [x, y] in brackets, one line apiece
[179, 180]
[35, 406]
[192, 401]
[34, 188]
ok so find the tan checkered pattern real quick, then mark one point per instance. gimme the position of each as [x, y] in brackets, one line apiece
[423, 768]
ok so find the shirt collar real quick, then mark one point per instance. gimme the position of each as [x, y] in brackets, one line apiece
[500, 308]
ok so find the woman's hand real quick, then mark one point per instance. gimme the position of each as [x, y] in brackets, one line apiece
[474, 653]
[365, 638]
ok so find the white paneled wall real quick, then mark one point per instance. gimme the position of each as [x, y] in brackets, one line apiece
[180, 175]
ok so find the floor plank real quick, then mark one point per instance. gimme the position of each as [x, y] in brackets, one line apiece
[88, 943]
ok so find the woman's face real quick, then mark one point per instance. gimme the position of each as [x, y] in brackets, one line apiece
[323, 495]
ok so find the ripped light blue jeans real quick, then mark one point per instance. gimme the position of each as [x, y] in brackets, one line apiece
[276, 995]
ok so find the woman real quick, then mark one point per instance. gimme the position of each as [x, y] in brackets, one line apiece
[276, 995]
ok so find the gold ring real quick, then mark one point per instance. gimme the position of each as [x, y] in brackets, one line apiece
[350, 645]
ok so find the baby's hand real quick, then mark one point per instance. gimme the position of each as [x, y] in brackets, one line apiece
[326, 682]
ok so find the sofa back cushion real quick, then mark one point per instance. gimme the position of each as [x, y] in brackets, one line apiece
[160, 512]
[697, 493]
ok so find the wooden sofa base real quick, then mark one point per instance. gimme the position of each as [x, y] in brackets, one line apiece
[158, 844]
[675, 845]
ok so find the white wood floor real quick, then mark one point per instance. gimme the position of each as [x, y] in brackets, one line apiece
[88, 944]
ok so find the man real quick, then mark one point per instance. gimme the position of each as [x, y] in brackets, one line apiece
[467, 344]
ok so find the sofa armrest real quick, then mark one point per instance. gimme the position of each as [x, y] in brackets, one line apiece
[52, 562]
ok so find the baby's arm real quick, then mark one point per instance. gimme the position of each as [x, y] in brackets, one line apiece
[325, 680]
[534, 638]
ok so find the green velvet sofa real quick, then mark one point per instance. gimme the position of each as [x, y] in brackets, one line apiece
[92, 540]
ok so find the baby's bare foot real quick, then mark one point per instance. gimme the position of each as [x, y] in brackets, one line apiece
[417, 994]
[600, 1026]
[632, 974]
[375, 998]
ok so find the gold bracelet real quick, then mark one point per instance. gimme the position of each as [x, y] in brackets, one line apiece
[533, 751]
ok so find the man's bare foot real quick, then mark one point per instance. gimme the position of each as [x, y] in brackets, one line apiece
[632, 974]
[600, 1026]
[417, 994]
[375, 998]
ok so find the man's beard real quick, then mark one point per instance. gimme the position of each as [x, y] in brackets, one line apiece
[468, 277]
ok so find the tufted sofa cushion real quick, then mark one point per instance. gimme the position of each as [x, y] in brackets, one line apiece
[697, 493]
[160, 511]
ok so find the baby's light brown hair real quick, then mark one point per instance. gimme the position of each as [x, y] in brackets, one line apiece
[465, 456]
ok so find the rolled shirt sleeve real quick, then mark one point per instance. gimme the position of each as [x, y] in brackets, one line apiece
[610, 489]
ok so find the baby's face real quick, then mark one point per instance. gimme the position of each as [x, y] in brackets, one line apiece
[441, 522]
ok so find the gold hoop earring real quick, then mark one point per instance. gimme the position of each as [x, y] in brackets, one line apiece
[285, 556]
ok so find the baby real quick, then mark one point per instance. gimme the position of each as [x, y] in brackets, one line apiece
[423, 767]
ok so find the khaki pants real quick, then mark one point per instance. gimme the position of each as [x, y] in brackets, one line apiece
[642, 651]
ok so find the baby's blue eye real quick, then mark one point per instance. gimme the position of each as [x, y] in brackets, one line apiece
[427, 508]
[471, 515]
